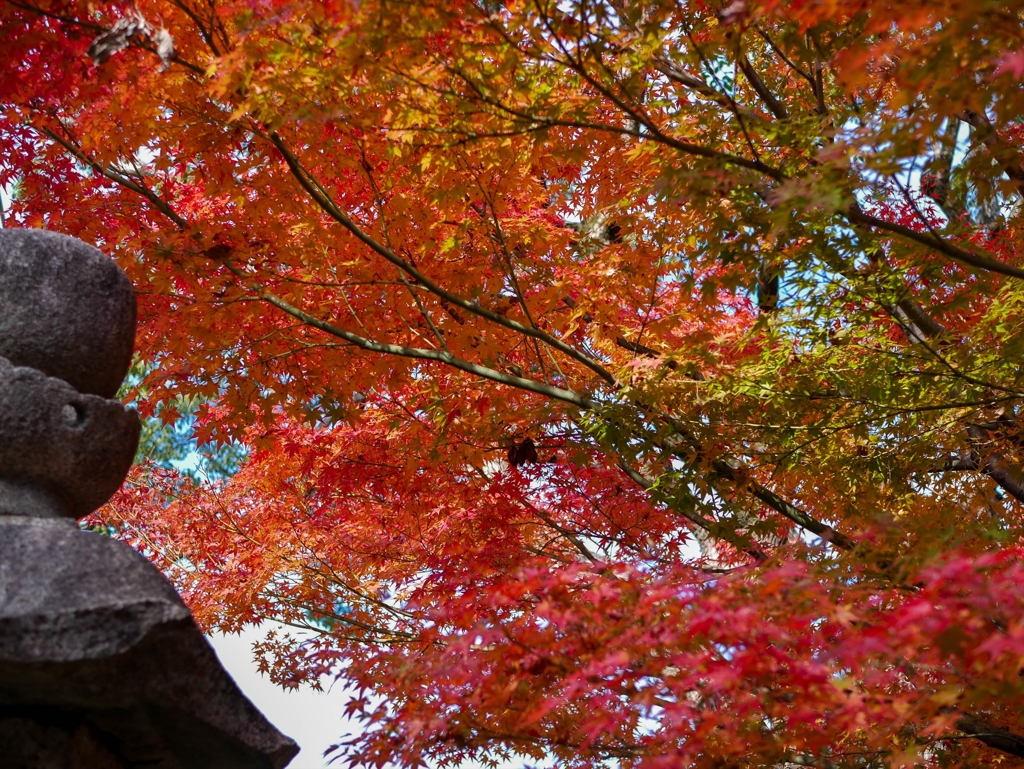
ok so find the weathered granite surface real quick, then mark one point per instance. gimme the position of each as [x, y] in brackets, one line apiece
[92, 636]
[68, 310]
[101, 664]
[61, 453]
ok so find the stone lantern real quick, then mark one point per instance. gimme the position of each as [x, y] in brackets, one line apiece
[101, 664]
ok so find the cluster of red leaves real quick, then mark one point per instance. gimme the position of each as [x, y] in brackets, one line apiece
[460, 635]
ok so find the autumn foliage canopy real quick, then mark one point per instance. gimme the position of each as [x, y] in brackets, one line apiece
[620, 382]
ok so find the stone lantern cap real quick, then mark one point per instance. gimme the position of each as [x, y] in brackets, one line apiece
[101, 664]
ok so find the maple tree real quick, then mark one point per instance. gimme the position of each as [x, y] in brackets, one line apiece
[622, 382]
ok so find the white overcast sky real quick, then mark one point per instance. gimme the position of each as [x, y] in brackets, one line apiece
[313, 719]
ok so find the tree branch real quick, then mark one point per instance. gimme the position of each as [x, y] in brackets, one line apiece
[993, 736]
[856, 216]
[555, 393]
[320, 196]
[1009, 158]
[777, 107]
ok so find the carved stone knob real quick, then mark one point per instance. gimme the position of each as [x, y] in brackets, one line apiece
[66, 335]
